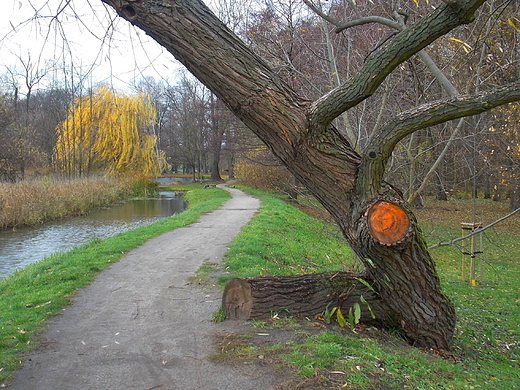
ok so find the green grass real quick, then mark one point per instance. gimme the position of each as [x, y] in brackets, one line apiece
[486, 352]
[41, 290]
[282, 240]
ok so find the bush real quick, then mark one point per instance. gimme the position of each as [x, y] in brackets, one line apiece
[259, 169]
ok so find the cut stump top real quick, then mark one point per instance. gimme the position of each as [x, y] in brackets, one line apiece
[388, 223]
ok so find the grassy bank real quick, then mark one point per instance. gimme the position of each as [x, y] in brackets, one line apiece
[37, 201]
[41, 290]
[314, 355]
[282, 240]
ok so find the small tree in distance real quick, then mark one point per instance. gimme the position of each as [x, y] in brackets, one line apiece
[105, 132]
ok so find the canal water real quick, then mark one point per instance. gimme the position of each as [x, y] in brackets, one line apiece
[27, 245]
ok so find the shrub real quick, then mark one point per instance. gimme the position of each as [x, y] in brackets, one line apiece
[258, 168]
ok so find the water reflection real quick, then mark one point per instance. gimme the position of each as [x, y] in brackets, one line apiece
[28, 245]
[171, 180]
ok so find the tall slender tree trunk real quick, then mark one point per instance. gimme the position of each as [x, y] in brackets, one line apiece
[217, 135]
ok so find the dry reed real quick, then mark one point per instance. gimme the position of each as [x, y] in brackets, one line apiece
[36, 201]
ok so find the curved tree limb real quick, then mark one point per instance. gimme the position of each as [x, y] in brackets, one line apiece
[387, 57]
[377, 154]
[318, 11]
[357, 22]
[367, 20]
[442, 111]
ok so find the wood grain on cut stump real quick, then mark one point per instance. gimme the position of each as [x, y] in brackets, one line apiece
[237, 300]
[388, 223]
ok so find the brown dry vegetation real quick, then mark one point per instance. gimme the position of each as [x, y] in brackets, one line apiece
[34, 202]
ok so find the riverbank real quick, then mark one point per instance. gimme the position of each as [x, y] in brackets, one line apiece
[33, 202]
[29, 244]
[30, 296]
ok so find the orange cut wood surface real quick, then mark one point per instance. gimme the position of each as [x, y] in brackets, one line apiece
[388, 222]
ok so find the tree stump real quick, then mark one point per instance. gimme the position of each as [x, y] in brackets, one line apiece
[302, 296]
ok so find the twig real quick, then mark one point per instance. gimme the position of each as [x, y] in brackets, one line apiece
[154, 387]
[477, 231]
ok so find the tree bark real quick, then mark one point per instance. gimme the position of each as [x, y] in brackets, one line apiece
[300, 134]
[303, 296]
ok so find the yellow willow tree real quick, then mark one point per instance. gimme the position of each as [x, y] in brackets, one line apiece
[110, 133]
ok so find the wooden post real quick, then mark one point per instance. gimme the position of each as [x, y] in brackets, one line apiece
[481, 251]
[472, 279]
[463, 244]
[471, 226]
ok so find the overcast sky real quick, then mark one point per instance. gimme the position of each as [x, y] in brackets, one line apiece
[85, 33]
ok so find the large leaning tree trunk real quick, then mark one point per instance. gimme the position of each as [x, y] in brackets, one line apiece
[377, 223]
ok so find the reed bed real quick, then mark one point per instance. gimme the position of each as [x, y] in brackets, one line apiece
[36, 201]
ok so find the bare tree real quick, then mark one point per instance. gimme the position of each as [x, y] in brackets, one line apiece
[188, 125]
[22, 132]
[7, 117]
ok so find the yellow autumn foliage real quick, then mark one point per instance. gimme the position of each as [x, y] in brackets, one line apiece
[110, 133]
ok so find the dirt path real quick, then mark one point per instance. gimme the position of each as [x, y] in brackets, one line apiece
[140, 325]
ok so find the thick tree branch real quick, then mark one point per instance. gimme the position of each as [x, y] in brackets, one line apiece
[220, 60]
[404, 124]
[441, 111]
[387, 57]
